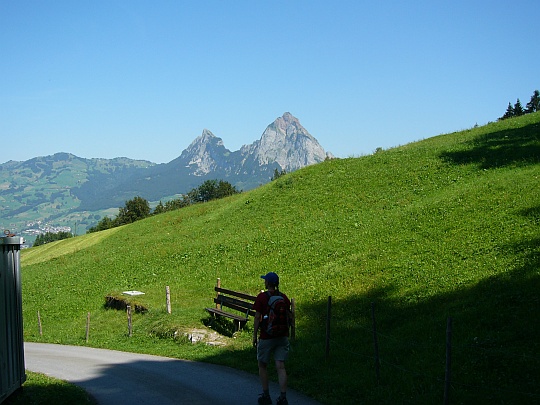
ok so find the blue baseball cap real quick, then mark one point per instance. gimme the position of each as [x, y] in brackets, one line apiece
[271, 278]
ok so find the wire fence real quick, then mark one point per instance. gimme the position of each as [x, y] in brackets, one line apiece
[392, 344]
[378, 358]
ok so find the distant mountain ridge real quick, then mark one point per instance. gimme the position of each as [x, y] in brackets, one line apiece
[64, 187]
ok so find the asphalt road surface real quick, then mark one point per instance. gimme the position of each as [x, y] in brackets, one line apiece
[118, 378]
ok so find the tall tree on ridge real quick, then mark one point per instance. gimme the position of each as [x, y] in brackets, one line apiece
[509, 112]
[518, 109]
[534, 104]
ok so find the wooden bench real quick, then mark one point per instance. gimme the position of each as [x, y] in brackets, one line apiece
[241, 303]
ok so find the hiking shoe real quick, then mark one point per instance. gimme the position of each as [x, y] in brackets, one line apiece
[264, 399]
[282, 401]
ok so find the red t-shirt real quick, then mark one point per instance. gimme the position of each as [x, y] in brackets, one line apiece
[261, 306]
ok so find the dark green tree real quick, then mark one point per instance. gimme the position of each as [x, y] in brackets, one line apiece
[211, 190]
[135, 209]
[518, 109]
[225, 189]
[278, 174]
[509, 112]
[160, 208]
[138, 208]
[206, 191]
[177, 203]
[534, 104]
[51, 237]
[104, 223]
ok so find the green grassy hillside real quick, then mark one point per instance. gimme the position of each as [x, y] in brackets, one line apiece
[445, 227]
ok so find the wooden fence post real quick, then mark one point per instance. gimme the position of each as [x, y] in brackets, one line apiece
[130, 327]
[218, 284]
[39, 324]
[375, 343]
[328, 317]
[168, 293]
[448, 361]
[87, 326]
[293, 320]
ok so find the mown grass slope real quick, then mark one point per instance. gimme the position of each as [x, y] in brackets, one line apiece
[445, 227]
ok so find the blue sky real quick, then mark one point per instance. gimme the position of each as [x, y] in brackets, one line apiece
[142, 79]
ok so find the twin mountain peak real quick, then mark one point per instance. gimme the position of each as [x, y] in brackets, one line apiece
[284, 145]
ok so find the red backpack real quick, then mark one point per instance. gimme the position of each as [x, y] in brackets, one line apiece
[277, 323]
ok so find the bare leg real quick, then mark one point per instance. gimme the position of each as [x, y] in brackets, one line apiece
[282, 375]
[263, 375]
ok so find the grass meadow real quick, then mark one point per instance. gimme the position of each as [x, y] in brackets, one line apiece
[40, 389]
[447, 227]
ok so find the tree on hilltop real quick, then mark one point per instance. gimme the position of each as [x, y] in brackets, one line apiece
[278, 174]
[132, 211]
[160, 208]
[177, 203]
[509, 112]
[518, 109]
[139, 208]
[212, 190]
[104, 223]
[51, 237]
[135, 209]
[534, 104]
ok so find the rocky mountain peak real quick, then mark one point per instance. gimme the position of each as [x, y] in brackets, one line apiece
[206, 136]
[287, 143]
[286, 121]
[204, 153]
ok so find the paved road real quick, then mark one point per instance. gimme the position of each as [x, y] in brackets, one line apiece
[117, 378]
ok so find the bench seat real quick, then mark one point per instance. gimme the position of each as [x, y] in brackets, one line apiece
[243, 303]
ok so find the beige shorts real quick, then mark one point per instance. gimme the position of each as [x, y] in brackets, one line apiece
[278, 346]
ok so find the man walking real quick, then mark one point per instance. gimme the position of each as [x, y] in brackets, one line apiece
[272, 318]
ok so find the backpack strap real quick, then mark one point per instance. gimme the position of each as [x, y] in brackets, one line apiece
[270, 295]
[277, 293]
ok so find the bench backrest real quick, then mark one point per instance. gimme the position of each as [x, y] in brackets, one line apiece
[242, 303]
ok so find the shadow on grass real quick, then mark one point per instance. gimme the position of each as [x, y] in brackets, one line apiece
[532, 213]
[58, 393]
[222, 326]
[495, 342]
[520, 146]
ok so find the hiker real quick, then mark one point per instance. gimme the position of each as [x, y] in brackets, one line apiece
[272, 318]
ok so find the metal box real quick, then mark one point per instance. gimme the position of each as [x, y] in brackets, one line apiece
[12, 371]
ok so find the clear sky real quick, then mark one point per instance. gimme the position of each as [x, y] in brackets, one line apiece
[142, 79]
